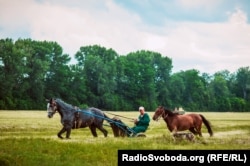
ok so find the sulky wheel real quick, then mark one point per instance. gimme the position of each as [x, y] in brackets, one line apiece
[140, 135]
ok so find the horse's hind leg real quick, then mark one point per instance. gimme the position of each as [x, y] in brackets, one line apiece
[199, 131]
[68, 131]
[93, 130]
[192, 129]
[105, 132]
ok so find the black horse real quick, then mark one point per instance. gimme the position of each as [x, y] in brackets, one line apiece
[74, 118]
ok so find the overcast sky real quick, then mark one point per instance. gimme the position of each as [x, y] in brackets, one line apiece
[207, 35]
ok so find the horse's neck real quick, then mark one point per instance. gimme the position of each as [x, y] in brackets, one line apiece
[65, 111]
[60, 113]
[68, 112]
[169, 119]
[168, 122]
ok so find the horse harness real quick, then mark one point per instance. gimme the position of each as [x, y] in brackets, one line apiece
[77, 120]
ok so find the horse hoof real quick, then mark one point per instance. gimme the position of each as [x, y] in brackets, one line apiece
[60, 136]
[68, 138]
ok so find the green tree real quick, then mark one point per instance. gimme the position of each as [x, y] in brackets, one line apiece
[141, 74]
[177, 90]
[36, 65]
[100, 73]
[163, 68]
[9, 72]
[122, 81]
[219, 93]
[144, 72]
[58, 78]
[195, 91]
[243, 82]
[77, 87]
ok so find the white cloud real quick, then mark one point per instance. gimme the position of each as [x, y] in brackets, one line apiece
[238, 17]
[210, 47]
[205, 4]
[207, 47]
[75, 27]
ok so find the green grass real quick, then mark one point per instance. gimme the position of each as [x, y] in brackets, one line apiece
[29, 138]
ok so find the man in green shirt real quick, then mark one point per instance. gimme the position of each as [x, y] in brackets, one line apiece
[142, 123]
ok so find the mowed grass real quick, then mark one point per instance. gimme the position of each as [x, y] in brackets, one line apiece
[30, 138]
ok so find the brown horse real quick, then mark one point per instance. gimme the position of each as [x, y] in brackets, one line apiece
[118, 127]
[176, 122]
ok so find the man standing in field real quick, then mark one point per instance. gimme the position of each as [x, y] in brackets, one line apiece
[142, 123]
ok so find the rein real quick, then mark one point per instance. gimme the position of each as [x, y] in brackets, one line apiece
[101, 117]
[120, 116]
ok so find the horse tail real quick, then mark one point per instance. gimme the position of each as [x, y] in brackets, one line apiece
[207, 124]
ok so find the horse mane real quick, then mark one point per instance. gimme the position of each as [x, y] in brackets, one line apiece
[65, 106]
[169, 112]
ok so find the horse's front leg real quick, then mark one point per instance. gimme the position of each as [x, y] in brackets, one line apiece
[174, 131]
[61, 132]
[68, 127]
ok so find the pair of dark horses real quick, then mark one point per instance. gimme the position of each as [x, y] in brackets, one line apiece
[73, 118]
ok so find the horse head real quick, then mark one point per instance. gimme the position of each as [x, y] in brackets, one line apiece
[158, 113]
[51, 107]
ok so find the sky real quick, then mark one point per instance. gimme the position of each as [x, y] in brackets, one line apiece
[206, 35]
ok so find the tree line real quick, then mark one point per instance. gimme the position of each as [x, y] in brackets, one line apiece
[32, 71]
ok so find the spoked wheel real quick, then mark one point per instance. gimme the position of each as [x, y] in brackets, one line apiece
[140, 135]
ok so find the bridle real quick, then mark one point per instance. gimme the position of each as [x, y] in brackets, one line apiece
[162, 114]
[52, 107]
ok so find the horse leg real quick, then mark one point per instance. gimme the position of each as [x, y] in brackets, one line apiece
[198, 128]
[192, 129]
[67, 126]
[68, 131]
[174, 133]
[93, 130]
[61, 132]
[115, 130]
[105, 132]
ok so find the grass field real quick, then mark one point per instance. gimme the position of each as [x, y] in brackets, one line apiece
[29, 138]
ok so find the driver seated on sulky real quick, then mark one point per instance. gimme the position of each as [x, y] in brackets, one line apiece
[142, 123]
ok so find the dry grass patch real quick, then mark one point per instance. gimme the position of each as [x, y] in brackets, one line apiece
[30, 138]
